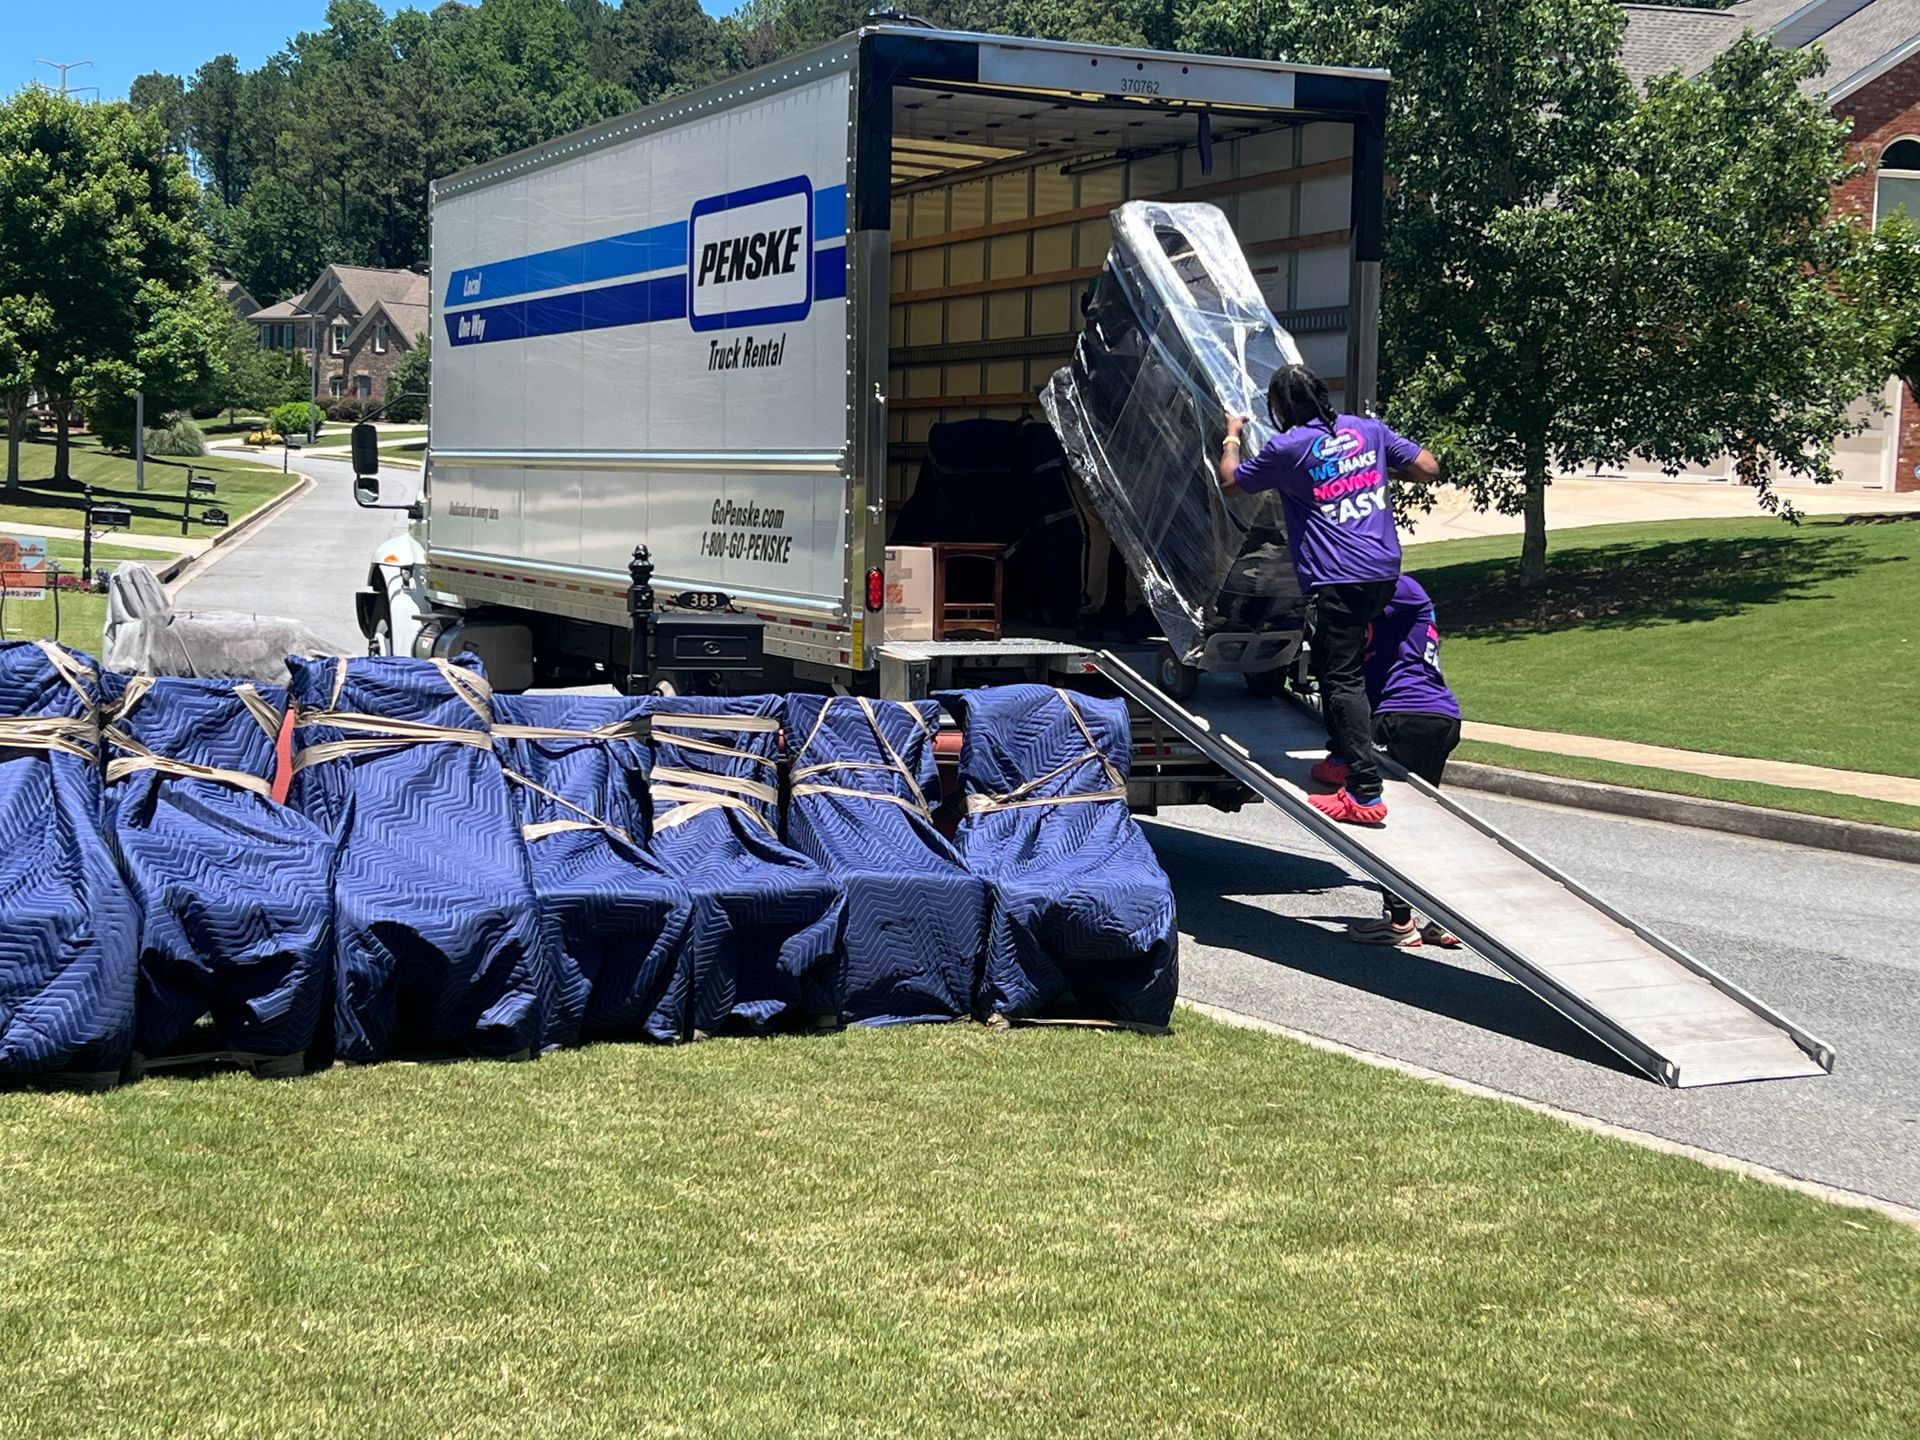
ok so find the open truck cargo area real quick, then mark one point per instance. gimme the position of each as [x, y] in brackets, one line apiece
[734, 327]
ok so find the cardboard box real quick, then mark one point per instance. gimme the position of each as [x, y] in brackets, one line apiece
[908, 612]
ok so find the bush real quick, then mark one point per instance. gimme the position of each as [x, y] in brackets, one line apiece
[180, 436]
[291, 418]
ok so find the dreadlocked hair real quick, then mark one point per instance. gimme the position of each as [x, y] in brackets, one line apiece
[1297, 396]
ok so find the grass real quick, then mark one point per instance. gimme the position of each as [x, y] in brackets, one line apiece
[918, 1232]
[1741, 637]
[81, 615]
[243, 488]
[1679, 782]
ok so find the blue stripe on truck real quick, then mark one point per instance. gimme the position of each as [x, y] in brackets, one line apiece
[612, 257]
[634, 302]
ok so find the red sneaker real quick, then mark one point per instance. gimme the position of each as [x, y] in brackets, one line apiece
[1330, 772]
[1348, 811]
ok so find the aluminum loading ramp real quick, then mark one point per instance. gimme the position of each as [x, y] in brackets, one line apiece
[1647, 999]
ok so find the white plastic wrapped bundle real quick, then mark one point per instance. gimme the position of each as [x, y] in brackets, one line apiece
[1177, 334]
[145, 636]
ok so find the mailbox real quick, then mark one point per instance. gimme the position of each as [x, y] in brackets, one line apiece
[111, 517]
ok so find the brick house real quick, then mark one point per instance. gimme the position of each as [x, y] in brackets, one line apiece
[364, 320]
[1873, 81]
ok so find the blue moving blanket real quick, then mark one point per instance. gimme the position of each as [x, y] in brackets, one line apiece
[233, 889]
[864, 780]
[617, 922]
[67, 923]
[437, 935]
[766, 929]
[1081, 906]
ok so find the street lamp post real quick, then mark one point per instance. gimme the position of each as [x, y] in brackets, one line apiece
[313, 405]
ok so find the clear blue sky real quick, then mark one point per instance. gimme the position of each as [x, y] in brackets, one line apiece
[125, 38]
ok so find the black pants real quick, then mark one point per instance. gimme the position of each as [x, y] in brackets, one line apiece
[1419, 742]
[1342, 614]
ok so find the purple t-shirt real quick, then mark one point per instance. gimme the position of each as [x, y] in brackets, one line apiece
[1333, 490]
[1403, 656]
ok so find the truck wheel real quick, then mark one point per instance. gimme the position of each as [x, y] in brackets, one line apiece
[1265, 684]
[1178, 679]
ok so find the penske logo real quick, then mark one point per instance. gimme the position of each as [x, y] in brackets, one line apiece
[752, 256]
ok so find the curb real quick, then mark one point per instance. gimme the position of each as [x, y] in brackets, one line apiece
[1851, 837]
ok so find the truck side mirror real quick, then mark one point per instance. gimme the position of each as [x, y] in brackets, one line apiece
[366, 454]
[366, 489]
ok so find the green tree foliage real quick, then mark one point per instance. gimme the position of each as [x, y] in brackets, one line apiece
[101, 251]
[1575, 274]
[408, 388]
[293, 417]
[164, 97]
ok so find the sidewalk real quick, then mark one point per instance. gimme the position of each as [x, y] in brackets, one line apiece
[1897, 789]
[170, 544]
[1574, 503]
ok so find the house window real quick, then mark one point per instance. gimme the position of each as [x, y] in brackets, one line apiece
[337, 386]
[1897, 187]
[380, 338]
[339, 337]
[362, 387]
[266, 337]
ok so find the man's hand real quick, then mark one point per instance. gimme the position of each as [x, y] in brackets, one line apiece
[1235, 424]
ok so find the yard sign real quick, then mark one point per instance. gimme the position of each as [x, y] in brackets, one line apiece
[23, 567]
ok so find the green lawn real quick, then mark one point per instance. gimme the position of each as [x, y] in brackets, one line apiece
[1743, 637]
[81, 616]
[916, 1232]
[1679, 782]
[243, 488]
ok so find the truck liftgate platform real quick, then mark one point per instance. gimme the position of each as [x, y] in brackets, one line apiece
[1645, 998]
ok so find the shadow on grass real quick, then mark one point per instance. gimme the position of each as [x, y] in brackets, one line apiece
[153, 503]
[1210, 873]
[1627, 586]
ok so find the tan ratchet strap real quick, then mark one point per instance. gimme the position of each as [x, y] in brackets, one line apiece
[368, 733]
[1023, 798]
[895, 764]
[75, 735]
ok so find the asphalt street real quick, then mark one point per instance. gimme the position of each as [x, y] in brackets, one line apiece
[306, 560]
[1823, 937]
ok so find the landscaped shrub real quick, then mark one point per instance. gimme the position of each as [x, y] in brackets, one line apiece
[291, 418]
[180, 436]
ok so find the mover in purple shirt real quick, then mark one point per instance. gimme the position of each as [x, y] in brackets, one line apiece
[1332, 472]
[1416, 720]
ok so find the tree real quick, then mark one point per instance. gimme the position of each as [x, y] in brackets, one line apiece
[244, 377]
[408, 387]
[99, 235]
[1574, 275]
[213, 111]
[164, 97]
[25, 322]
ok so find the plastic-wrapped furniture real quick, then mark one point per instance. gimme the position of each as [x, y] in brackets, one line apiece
[144, 635]
[67, 923]
[437, 936]
[617, 922]
[234, 890]
[765, 949]
[863, 784]
[1083, 916]
[1177, 334]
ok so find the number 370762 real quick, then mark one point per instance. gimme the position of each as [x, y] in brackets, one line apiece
[1136, 85]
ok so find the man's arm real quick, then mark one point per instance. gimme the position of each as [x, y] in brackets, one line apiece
[1230, 454]
[1422, 469]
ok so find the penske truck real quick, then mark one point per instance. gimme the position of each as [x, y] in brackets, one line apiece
[726, 329]
[741, 331]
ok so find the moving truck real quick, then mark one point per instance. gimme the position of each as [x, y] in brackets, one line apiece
[725, 327]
